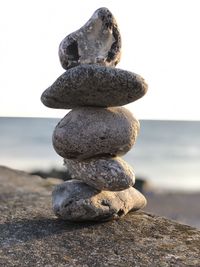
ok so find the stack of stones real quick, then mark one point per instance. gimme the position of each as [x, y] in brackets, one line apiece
[97, 131]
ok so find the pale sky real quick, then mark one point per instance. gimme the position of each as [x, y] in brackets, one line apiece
[160, 41]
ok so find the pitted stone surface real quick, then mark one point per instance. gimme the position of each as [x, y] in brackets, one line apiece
[95, 132]
[112, 174]
[77, 201]
[93, 85]
[97, 42]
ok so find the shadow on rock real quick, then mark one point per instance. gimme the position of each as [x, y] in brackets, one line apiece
[31, 229]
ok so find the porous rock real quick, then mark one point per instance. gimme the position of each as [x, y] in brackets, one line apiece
[76, 201]
[95, 132]
[112, 174]
[93, 85]
[97, 42]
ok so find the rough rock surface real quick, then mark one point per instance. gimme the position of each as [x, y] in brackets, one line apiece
[97, 42]
[93, 85]
[30, 235]
[94, 132]
[111, 174]
[76, 201]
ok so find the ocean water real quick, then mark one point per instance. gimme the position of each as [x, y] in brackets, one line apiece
[166, 154]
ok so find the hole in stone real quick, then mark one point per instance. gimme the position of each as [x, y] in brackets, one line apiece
[68, 203]
[72, 51]
[102, 137]
[115, 47]
[111, 55]
[108, 24]
[120, 213]
[104, 203]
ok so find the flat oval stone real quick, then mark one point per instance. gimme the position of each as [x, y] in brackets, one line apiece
[76, 201]
[112, 174]
[95, 132]
[92, 85]
[97, 42]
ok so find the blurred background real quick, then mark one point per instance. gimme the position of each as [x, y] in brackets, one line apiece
[160, 41]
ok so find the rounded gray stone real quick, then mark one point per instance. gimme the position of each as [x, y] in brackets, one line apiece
[76, 201]
[95, 132]
[112, 174]
[93, 85]
[97, 42]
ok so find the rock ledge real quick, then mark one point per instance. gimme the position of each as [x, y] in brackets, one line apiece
[32, 236]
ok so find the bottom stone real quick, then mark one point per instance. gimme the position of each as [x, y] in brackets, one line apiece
[76, 201]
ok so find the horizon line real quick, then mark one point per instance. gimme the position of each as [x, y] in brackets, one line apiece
[144, 119]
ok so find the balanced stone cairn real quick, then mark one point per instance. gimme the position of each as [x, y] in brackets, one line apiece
[97, 131]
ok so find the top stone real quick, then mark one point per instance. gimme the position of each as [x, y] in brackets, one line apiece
[97, 42]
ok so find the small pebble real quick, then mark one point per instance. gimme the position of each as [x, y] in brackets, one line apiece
[97, 42]
[112, 174]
